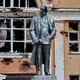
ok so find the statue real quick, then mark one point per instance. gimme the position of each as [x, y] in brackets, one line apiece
[42, 30]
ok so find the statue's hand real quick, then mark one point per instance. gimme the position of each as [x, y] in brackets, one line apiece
[36, 42]
[49, 37]
[40, 40]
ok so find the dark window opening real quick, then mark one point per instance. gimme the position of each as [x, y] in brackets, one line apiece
[74, 77]
[18, 23]
[73, 36]
[28, 22]
[18, 35]
[22, 3]
[16, 3]
[18, 46]
[6, 47]
[8, 35]
[32, 3]
[73, 47]
[8, 23]
[7, 3]
[1, 2]
[5, 23]
[73, 26]
[29, 47]
[2, 22]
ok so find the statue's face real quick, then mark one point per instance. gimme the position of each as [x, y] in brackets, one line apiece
[42, 12]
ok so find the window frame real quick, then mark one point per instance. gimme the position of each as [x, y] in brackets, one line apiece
[26, 4]
[13, 54]
[66, 28]
[74, 76]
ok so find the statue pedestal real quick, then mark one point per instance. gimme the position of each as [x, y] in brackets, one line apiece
[36, 77]
[2, 77]
[29, 77]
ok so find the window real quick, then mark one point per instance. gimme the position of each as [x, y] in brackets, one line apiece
[7, 3]
[15, 36]
[74, 36]
[76, 77]
[18, 3]
[1, 3]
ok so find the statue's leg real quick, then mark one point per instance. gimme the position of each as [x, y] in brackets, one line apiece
[46, 57]
[39, 56]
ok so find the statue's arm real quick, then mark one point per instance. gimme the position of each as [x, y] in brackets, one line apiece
[32, 30]
[53, 29]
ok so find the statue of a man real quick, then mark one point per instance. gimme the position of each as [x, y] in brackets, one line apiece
[42, 30]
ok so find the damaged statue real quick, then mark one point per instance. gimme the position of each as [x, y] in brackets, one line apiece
[42, 30]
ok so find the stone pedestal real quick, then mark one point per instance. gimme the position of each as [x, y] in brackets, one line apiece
[29, 77]
[42, 77]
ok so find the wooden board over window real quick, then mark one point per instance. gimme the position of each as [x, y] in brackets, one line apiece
[66, 3]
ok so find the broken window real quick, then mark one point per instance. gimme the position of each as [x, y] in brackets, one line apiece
[6, 47]
[76, 77]
[18, 47]
[18, 3]
[28, 23]
[15, 36]
[18, 23]
[32, 3]
[74, 36]
[73, 26]
[29, 47]
[1, 2]
[22, 3]
[74, 47]
[7, 3]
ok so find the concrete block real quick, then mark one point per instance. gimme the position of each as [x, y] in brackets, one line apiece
[42, 78]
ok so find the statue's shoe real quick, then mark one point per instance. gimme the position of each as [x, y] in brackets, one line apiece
[48, 73]
[38, 72]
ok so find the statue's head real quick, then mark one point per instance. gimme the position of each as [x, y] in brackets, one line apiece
[43, 10]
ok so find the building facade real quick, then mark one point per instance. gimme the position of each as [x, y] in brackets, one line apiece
[15, 40]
